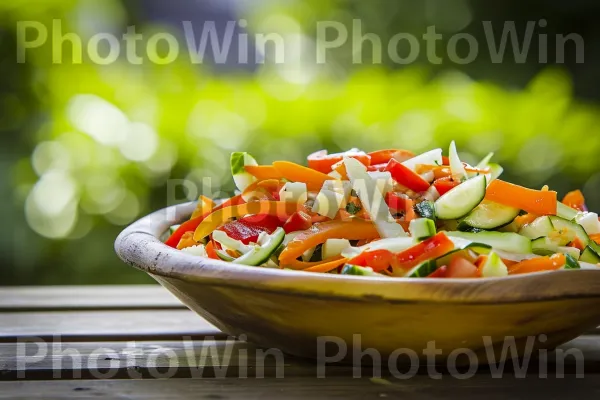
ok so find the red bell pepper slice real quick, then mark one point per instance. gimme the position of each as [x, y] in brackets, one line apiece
[575, 200]
[445, 184]
[401, 202]
[323, 162]
[439, 273]
[192, 224]
[377, 167]
[248, 229]
[431, 248]
[406, 177]
[210, 251]
[299, 221]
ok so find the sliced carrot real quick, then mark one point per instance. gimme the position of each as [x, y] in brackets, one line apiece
[538, 264]
[340, 168]
[525, 219]
[575, 200]
[210, 251]
[383, 156]
[304, 265]
[261, 172]
[219, 217]
[533, 201]
[328, 266]
[319, 233]
[299, 173]
[577, 243]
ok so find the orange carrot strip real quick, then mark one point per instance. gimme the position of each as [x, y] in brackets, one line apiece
[326, 267]
[210, 251]
[533, 201]
[298, 173]
[525, 219]
[261, 172]
[538, 264]
[219, 217]
[575, 200]
[319, 233]
[303, 265]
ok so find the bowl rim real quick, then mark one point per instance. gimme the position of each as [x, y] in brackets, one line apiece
[139, 246]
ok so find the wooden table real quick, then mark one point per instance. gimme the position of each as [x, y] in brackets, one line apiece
[124, 341]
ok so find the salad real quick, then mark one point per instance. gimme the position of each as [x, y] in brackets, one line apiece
[390, 213]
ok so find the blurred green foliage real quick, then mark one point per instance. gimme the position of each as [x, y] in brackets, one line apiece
[93, 148]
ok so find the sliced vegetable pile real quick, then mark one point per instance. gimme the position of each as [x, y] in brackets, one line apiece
[391, 213]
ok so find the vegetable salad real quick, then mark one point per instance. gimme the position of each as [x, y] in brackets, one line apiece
[390, 213]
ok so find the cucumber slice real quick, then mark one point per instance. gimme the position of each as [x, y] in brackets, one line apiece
[260, 254]
[495, 171]
[395, 245]
[565, 211]
[590, 256]
[422, 270]
[173, 228]
[540, 227]
[494, 267]
[422, 228]
[567, 231]
[545, 246]
[223, 255]
[357, 270]
[506, 241]
[490, 215]
[238, 161]
[571, 263]
[459, 201]
[425, 209]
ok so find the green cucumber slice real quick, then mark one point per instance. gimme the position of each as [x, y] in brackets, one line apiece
[223, 255]
[422, 228]
[494, 267]
[545, 246]
[459, 201]
[422, 270]
[571, 263]
[238, 161]
[426, 209]
[490, 215]
[590, 256]
[260, 254]
[568, 231]
[565, 211]
[495, 171]
[173, 228]
[350, 269]
[506, 241]
[539, 227]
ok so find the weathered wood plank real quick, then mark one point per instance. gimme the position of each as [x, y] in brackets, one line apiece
[419, 387]
[104, 325]
[110, 297]
[226, 358]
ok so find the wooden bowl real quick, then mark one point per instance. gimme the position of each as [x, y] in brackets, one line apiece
[289, 310]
